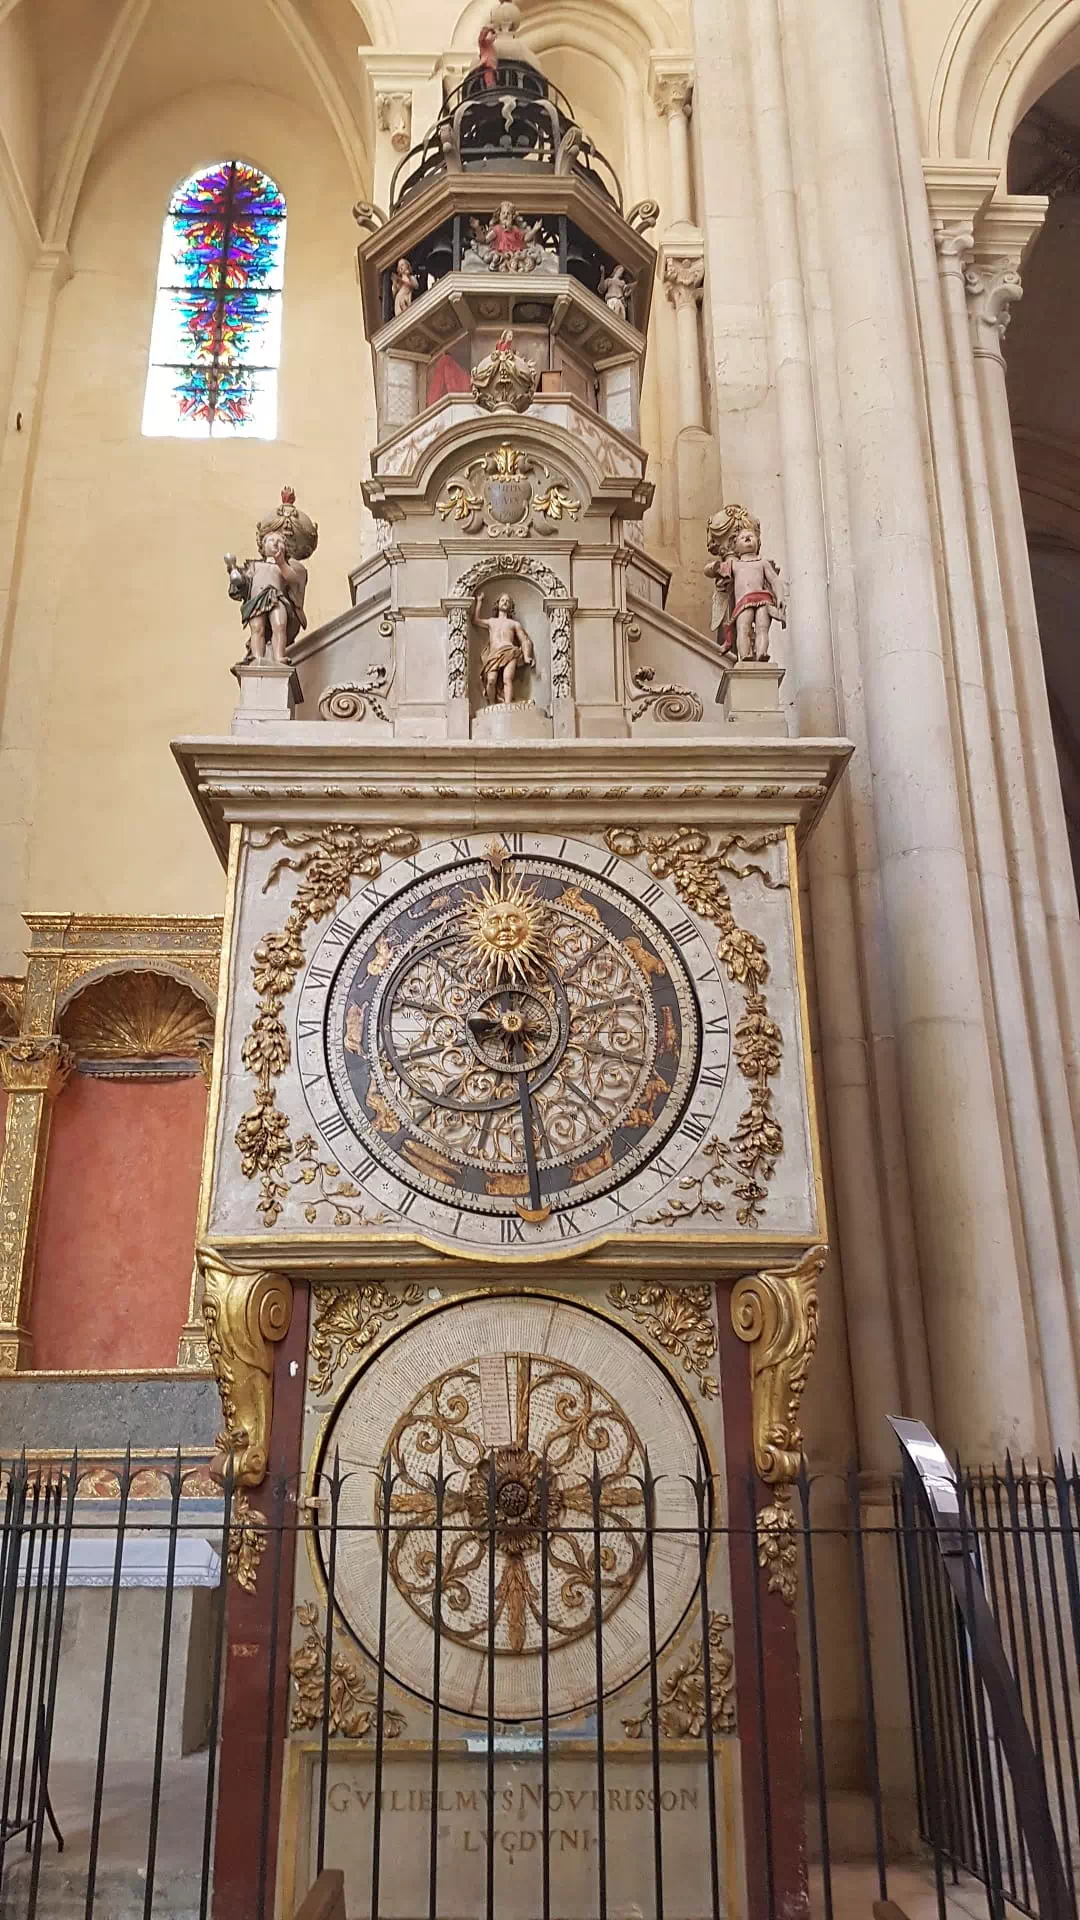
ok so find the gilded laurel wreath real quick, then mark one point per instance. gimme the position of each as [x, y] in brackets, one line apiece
[748, 1159]
[329, 863]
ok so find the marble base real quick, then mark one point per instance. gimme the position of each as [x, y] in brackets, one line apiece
[749, 693]
[268, 691]
[516, 720]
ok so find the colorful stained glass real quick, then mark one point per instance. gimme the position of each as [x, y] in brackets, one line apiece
[216, 339]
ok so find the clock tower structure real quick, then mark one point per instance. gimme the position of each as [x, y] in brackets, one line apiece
[512, 1178]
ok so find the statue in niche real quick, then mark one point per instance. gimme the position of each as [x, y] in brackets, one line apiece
[404, 286]
[509, 648]
[271, 588]
[508, 244]
[748, 591]
[615, 290]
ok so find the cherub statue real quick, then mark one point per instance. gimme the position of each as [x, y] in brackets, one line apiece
[748, 595]
[615, 291]
[489, 59]
[509, 648]
[404, 286]
[271, 588]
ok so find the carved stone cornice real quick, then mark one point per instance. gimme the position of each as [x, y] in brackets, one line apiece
[671, 83]
[776, 1313]
[35, 1063]
[246, 1311]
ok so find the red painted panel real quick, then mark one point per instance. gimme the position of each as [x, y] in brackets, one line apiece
[117, 1230]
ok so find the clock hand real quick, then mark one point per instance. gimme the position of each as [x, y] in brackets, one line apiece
[525, 1103]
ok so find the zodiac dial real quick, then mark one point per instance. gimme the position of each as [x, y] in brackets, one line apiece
[538, 1415]
[502, 1049]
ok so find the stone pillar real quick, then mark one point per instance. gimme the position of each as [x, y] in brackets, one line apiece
[34, 1068]
[807, 640]
[971, 1283]
[682, 266]
[684, 277]
[407, 94]
[1002, 236]
[1035, 1092]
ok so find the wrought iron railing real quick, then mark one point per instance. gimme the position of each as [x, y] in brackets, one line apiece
[124, 1681]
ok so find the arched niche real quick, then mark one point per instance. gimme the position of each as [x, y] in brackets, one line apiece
[112, 1273]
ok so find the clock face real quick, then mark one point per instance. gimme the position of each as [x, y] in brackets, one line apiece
[503, 1041]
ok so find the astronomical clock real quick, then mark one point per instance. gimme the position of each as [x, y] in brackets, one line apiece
[511, 1215]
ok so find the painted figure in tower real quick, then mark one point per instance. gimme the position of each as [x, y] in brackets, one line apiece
[489, 59]
[271, 588]
[404, 286]
[508, 244]
[748, 590]
[509, 648]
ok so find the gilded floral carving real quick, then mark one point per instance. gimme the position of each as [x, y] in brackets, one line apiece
[680, 1320]
[347, 1319]
[746, 1161]
[249, 1537]
[328, 862]
[681, 1697]
[353, 1704]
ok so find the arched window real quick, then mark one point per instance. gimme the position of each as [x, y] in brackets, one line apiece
[216, 339]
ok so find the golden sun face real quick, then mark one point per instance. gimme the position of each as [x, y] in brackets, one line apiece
[505, 930]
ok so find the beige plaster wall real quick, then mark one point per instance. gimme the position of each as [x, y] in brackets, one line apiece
[124, 634]
[19, 121]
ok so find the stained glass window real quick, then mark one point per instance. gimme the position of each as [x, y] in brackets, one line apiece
[216, 338]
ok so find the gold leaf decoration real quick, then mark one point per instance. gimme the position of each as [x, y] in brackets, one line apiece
[347, 1319]
[246, 1312]
[137, 1016]
[249, 1537]
[680, 1700]
[694, 864]
[328, 863]
[680, 1320]
[352, 1703]
[778, 1555]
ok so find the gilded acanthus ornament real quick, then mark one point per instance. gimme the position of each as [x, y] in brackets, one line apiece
[246, 1312]
[509, 494]
[329, 862]
[694, 865]
[35, 1063]
[776, 1313]
[680, 1700]
[778, 1553]
[680, 1320]
[347, 1319]
[353, 1706]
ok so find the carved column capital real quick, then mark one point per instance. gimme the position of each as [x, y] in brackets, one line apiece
[35, 1063]
[684, 278]
[246, 1311]
[955, 243]
[776, 1313]
[1004, 232]
[671, 83]
[991, 289]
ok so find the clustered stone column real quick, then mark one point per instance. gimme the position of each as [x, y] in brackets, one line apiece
[682, 247]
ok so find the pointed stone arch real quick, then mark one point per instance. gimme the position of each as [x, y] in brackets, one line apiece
[999, 56]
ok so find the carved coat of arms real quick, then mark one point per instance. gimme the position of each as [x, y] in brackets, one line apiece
[508, 491]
